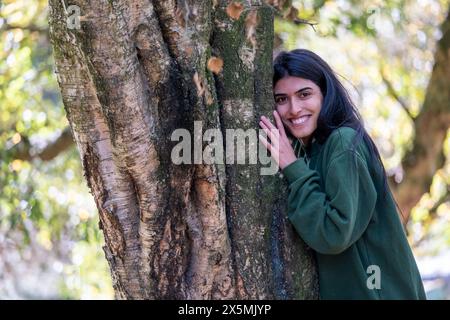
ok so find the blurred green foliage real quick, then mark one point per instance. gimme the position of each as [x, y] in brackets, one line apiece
[45, 206]
[50, 244]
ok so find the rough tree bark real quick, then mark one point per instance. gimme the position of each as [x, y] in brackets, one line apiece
[431, 126]
[134, 72]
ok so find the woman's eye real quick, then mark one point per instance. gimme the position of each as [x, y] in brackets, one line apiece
[304, 94]
[280, 99]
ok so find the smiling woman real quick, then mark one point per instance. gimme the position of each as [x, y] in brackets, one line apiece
[339, 201]
[298, 102]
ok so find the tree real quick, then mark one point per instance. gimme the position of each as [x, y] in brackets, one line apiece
[129, 76]
[431, 126]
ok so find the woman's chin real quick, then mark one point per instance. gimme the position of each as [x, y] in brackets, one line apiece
[301, 135]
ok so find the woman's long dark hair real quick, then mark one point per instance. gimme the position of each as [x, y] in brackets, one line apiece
[337, 109]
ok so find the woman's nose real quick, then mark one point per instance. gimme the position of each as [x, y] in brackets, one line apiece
[295, 106]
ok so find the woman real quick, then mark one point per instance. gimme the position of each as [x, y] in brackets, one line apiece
[339, 200]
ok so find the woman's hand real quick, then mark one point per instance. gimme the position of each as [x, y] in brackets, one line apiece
[279, 146]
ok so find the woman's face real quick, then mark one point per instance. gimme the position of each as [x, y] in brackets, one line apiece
[298, 102]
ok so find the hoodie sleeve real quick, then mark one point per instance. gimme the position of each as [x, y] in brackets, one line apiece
[332, 218]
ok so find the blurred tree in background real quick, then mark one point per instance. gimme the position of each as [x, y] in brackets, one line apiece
[50, 244]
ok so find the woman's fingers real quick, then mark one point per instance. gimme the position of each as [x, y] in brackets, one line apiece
[268, 123]
[272, 133]
[273, 150]
[279, 123]
[265, 142]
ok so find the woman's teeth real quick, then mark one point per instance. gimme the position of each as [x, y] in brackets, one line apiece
[300, 120]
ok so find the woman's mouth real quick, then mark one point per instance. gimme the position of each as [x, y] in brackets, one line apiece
[300, 120]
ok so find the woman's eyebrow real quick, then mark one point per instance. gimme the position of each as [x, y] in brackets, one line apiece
[298, 91]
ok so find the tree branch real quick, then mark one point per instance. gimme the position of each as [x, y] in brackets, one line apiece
[31, 28]
[290, 14]
[432, 215]
[395, 95]
[445, 198]
[298, 21]
[51, 151]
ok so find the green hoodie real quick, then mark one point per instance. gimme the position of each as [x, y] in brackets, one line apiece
[334, 204]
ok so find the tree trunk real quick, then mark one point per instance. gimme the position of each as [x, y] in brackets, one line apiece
[431, 126]
[132, 74]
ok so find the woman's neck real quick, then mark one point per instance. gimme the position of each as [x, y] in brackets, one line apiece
[306, 141]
